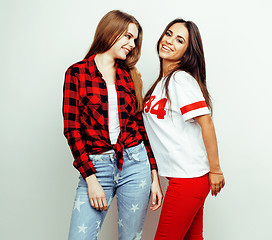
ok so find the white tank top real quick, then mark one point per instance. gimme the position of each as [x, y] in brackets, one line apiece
[114, 126]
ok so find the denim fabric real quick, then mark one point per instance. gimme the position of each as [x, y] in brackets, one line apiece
[131, 187]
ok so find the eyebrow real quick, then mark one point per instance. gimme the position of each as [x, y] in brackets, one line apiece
[177, 35]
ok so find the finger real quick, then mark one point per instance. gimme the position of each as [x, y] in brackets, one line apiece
[160, 200]
[213, 190]
[158, 205]
[138, 73]
[154, 199]
[222, 184]
[217, 189]
[96, 204]
[92, 203]
[154, 208]
[100, 204]
[104, 201]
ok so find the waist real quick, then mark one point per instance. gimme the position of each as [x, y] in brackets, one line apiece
[108, 152]
[109, 149]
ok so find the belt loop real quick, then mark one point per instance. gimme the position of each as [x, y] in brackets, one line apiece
[128, 153]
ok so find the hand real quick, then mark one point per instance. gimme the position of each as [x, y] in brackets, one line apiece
[137, 71]
[217, 182]
[156, 193]
[134, 72]
[96, 194]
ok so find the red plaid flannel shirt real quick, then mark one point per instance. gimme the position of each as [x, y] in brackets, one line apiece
[85, 112]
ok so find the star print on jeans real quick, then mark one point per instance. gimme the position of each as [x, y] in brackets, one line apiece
[82, 228]
[134, 208]
[117, 178]
[143, 183]
[77, 204]
[98, 224]
[138, 236]
[120, 223]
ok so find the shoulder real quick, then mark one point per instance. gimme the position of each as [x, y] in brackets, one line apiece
[124, 74]
[75, 68]
[123, 70]
[183, 77]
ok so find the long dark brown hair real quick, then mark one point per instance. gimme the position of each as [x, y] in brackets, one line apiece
[110, 28]
[192, 62]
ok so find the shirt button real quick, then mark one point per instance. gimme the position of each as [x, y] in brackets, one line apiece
[120, 108]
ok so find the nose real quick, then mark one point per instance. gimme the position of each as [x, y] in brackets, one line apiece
[170, 40]
[132, 43]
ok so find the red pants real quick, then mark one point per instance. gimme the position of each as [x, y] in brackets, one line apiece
[182, 211]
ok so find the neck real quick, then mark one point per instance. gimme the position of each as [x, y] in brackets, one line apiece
[104, 59]
[167, 67]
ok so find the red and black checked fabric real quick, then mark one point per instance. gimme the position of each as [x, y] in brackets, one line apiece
[85, 112]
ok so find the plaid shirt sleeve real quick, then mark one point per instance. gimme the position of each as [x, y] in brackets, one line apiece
[72, 123]
[150, 154]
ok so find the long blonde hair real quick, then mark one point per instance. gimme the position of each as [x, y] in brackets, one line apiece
[110, 28]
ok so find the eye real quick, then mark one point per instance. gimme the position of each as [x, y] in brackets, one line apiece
[128, 36]
[168, 34]
[180, 41]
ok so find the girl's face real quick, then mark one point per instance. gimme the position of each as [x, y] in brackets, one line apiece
[174, 43]
[125, 43]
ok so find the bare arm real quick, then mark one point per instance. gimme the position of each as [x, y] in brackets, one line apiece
[216, 177]
[156, 192]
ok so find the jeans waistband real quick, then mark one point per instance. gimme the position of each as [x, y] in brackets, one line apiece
[127, 150]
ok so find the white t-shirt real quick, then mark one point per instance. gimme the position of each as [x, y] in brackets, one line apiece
[175, 137]
[114, 126]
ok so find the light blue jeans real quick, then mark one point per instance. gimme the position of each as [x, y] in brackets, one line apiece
[131, 187]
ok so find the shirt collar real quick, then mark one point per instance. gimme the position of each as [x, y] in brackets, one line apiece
[92, 66]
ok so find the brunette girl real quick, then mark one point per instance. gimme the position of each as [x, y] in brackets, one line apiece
[181, 132]
[104, 129]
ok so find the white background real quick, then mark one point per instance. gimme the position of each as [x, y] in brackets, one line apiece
[41, 39]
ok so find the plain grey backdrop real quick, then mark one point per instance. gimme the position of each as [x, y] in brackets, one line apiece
[41, 39]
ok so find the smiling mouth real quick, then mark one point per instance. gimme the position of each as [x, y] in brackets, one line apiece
[127, 50]
[166, 48]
